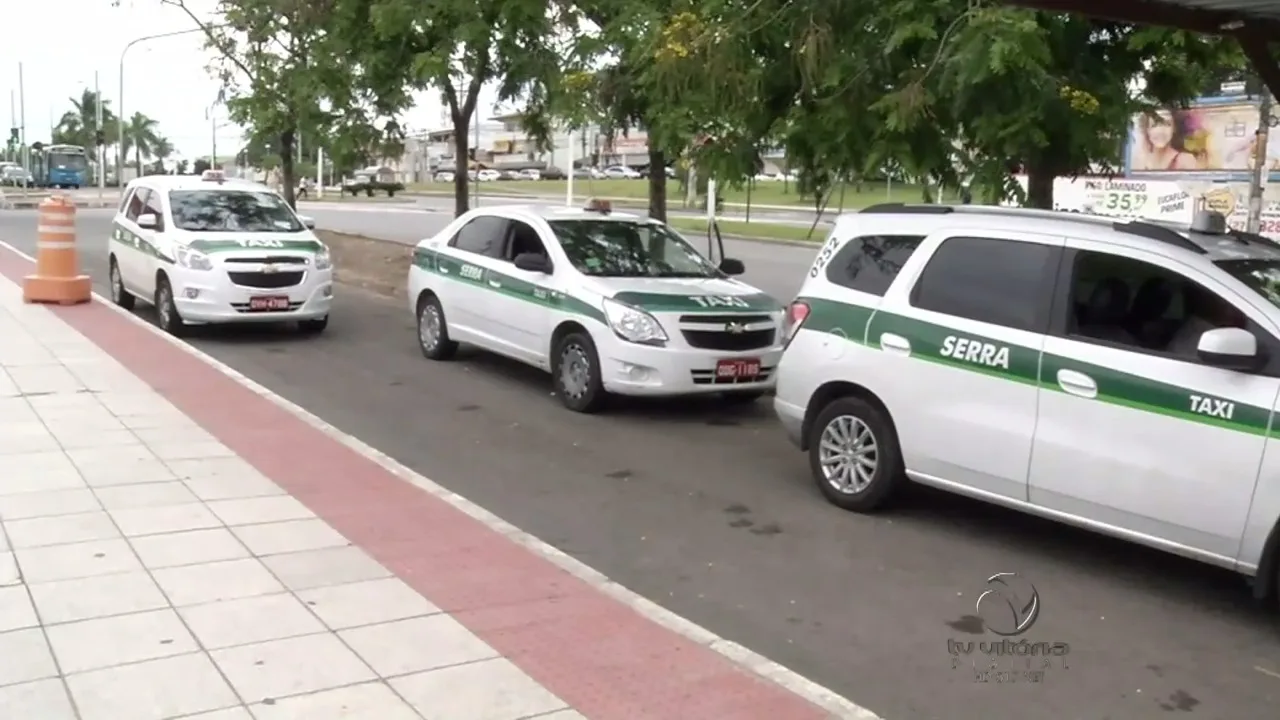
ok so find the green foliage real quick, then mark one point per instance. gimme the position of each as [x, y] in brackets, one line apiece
[140, 134]
[77, 125]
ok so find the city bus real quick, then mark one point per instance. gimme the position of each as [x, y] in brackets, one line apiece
[62, 166]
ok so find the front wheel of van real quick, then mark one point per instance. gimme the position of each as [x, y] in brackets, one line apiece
[854, 455]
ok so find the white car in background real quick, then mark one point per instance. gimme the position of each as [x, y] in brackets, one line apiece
[488, 175]
[621, 172]
[444, 176]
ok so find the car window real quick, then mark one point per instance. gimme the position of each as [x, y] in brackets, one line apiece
[232, 211]
[623, 248]
[869, 264]
[523, 239]
[125, 199]
[1002, 282]
[136, 202]
[1122, 301]
[152, 205]
[482, 236]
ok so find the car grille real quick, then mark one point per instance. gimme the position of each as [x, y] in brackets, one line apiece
[270, 260]
[273, 280]
[709, 377]
[708, 332]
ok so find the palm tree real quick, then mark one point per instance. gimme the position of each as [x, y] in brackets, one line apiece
[140, 132]
[77, 125]
[161, 151]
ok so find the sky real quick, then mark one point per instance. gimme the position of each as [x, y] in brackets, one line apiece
[164, 78]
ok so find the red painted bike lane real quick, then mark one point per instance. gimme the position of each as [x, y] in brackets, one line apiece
[597, 653]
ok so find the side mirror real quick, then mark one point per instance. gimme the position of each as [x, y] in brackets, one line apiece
[1229, 348]
[730, 266]
[148, 221]
[533, 262]
[308, 222]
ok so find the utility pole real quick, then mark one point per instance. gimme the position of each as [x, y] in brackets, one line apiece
[1260, 170]
[99, 134]
[22, 127]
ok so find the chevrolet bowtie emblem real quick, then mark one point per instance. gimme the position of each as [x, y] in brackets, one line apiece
[734, 328]
[268, 269]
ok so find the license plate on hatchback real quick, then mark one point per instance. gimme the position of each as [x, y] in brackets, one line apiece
[738, 369]
[269, 302]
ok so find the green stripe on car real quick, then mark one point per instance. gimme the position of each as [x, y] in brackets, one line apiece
[220, 246]
[484, 278]
[1009, 361]
[125, 237]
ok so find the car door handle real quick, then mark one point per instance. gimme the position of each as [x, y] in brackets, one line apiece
[1077, 383]
[495, 284]
[895, 344]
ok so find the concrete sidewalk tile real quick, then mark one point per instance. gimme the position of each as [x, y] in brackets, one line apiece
[152, 420]
[25, 656]
[192, 547]
[39, 472]
[247, 483]
[176, 433]
[81, 438]
[211, 582]
[416, 644]
[16, 610]
[369, 701]
[76, 560]
[104, 642]
[86, 598]
[267, 509]
[60, 530]
[84, 421]
[25, 436]
[138, 521]
[32, 379]
[280, 668]
[485, 690]
[9, 572]
[72, 501]
[17, 410]
[153, 690]
[291, 536]
[190, 450]
[66, 405]
[120, 497]
[366, 603]
[318, 568]
[123, 465]
[235, 713]
[250, 620]
[39, 700]
[136, 403]
[561, 715]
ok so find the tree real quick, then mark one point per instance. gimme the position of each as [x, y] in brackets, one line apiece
[161, 150]
[77, 126]
[140, 136]
[456, 48]
[200, 166]
[286, 69]
[955, 89]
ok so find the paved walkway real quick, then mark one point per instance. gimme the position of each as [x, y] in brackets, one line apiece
[178, 544]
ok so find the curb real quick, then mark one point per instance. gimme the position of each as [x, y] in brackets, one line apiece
[828, 700]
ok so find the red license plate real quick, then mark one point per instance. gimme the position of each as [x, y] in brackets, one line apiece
[738, 368]
[269, 303]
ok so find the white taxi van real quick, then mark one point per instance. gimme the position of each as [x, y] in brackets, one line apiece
[1120, 376]
[607, 302]
[206, 249]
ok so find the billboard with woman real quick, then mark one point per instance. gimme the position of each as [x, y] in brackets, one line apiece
[1208, 138]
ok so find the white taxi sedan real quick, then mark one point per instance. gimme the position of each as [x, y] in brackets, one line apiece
[204, 249]
[607, 302]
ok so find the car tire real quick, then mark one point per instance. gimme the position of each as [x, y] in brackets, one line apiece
[854, 455]
[575, 371]
[314, 326]
[433, 331]
[167, 310]
[119, 295]
[741, 398]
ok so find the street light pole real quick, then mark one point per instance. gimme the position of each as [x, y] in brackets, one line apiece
[120, 97]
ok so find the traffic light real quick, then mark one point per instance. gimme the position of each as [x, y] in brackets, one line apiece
[14, 134]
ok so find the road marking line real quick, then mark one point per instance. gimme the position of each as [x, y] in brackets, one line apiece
[1265, 671]
[840, 707]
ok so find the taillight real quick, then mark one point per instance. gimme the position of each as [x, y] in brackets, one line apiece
[797, 313]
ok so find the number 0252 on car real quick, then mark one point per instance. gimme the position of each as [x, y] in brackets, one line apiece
[738, 368]
[269, 302]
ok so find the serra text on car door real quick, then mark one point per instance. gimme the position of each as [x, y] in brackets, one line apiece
[958, 357]
[151, 260]
[1133, 429]
[522, 304]
[466, 268]
[131, 248]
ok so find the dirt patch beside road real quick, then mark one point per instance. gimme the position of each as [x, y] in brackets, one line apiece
[380, 266]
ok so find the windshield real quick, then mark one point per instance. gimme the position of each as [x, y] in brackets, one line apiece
[622, 248]
[232, 211]
[59, 161]
[1262, 276]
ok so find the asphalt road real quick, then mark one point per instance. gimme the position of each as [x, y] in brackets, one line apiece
[711, 513]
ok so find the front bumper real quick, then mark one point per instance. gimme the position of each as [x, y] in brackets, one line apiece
[211, 297]
[631, 369]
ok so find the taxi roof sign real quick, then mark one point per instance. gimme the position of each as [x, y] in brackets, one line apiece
[597, 205]
[213, 175]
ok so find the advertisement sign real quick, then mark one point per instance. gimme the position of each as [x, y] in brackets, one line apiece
[1207, 138]
[1168, 200]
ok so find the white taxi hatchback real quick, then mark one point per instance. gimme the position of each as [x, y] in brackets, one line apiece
[609, 303]
[206, 250]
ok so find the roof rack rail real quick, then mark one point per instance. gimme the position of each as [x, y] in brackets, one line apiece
[1160, 233]
[912, 209]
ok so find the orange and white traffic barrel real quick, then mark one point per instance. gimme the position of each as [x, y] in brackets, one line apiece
[57, 279]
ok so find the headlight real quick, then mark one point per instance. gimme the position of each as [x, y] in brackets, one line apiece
[193, 259]
[633, 325]
[323, 261]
